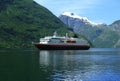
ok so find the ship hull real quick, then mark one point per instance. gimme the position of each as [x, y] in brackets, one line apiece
[61, 47]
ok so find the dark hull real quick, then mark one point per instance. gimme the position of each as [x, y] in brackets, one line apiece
[61, 47]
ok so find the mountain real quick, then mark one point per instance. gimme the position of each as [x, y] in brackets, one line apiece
[116, 25]
[25, 21]
[100, 35]
[73, 19]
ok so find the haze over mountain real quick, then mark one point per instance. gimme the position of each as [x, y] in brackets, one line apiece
[101, 35]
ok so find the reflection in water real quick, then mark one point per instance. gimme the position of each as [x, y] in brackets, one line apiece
[82, 65]
[55, 58]
[19, 65]
[44, 58]
[63, 65]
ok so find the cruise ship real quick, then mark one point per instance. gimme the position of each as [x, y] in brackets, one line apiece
[56, 42]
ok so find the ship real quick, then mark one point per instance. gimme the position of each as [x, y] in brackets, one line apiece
[56, 42]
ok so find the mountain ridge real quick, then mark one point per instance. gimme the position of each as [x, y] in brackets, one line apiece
[84, 19]
[25, 21]
[102, 36]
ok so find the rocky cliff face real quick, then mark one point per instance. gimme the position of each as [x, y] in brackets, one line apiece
[115, 25]
[75, 21]
[101, 35]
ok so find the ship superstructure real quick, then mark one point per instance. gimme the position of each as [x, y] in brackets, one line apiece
[56, 42]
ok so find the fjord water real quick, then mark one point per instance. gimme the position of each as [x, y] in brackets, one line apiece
[96, 64]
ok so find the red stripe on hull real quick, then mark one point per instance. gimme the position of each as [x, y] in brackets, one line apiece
[61, 47]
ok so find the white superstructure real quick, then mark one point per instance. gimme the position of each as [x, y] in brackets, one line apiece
[55, 39]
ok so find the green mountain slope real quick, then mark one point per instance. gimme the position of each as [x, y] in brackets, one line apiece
[116, 25]
[24, 21]
[108, 38]
[100, 35]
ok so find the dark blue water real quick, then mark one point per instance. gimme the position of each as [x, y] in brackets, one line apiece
[96, 64]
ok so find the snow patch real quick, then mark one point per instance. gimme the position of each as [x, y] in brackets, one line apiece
[85, 19]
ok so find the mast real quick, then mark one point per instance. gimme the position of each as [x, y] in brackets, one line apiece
[66, 35]
[55, 34]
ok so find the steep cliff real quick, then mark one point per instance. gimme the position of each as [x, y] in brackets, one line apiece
[25, 21]
[100, 35]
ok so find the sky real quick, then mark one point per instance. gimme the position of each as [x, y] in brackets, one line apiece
[99, 11]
